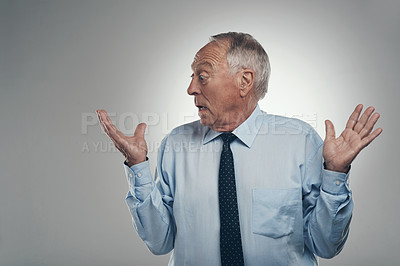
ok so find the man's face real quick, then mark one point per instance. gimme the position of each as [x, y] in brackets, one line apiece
[215, 91]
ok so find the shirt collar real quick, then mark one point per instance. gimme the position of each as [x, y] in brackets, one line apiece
[246, 132]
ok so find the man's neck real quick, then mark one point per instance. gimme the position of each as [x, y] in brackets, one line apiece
[233, 121]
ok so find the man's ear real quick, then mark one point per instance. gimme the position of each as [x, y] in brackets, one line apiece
[246, 81]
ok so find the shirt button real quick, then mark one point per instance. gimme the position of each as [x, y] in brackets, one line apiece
[337, 182]
[139, 174]
[130, 175]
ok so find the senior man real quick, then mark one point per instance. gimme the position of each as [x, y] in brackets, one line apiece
[240, 186]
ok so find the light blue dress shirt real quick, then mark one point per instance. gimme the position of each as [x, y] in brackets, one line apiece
[291, 209]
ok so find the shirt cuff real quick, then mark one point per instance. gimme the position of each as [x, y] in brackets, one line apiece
[335, 183]
[138, 174]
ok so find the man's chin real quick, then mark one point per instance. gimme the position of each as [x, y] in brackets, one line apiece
[204, 121]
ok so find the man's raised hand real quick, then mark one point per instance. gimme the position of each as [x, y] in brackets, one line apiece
[134, 148]
[340, 152]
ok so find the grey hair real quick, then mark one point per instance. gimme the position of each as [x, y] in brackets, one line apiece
[246, 52]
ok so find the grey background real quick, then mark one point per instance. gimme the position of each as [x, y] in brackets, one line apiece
[62, 199]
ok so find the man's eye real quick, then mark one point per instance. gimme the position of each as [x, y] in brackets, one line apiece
[201, 77]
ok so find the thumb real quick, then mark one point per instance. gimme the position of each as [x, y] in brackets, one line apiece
[140, 129]
[330, 130]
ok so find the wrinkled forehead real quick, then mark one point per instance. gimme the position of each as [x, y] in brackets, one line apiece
[211, 54]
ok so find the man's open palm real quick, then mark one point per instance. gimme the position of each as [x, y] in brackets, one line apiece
[134, 148]
[340, 152]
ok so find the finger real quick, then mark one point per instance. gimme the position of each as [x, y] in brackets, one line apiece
[102, 114]
[140, 129]
[108, 126]
[108, 122]
[101, 120]
[370, 125]
[367, 140]
[330, 130]
[354, 117]
[364, 119]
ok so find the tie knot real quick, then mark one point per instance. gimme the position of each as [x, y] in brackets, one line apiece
[228, 137]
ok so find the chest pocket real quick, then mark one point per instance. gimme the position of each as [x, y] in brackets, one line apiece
[274, 211]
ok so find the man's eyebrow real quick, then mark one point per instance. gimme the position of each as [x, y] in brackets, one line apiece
[202, 65]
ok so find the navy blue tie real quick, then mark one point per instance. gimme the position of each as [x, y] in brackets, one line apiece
[230, 240]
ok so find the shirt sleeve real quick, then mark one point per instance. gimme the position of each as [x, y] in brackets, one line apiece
[327, 203]
[150, 204]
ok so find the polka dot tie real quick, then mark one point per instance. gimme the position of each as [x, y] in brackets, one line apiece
[230, 240]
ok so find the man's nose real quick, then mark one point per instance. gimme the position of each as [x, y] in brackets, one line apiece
[193, 88]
